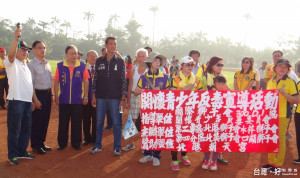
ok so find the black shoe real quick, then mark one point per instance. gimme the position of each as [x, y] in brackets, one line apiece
[84, 143]
[296, 161]
[27, 156]
[3, 107]
[60, 148]
[267, 166]
[77, 147]
[47, 148]
[13, 161]
[107, 128]
[40, 151]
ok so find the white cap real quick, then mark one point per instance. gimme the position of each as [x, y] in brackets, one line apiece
[186, 60]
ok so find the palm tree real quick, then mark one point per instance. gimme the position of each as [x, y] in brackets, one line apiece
[247, 17]
[67, 25]
[115, 19]
[89, 17]
[54, 22]
[154, 9]
[43, 24]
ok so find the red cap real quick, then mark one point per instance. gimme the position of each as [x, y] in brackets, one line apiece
[2, 49]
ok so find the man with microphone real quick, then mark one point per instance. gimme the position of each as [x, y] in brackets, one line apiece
[19, 98]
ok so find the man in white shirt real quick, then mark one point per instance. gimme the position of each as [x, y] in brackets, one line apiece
[261, 71]
[19, 108]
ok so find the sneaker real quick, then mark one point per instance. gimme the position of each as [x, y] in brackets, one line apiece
[146, 159]
[289, 136]
[13, 161]
[274, 170]
[117, 152]
[213, 166]
[156, 162]
[128, 147]
[222, 161]
[95, 150]
[184, 160]
[205, 165]
[175, 166]
[267, 166]
[27, 156]
[296, 161]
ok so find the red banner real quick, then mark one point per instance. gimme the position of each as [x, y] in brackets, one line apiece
[210, 121]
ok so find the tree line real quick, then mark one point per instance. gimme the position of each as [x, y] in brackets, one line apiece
[57, 35]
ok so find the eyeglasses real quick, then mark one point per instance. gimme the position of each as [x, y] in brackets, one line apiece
[219, 65]
[189, 65]
[246, 62]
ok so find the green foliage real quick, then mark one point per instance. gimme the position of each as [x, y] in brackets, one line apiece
[56, 35]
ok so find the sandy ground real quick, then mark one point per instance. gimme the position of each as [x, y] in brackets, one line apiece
[73, 163]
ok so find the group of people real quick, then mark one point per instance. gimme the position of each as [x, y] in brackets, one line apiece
[85, 92]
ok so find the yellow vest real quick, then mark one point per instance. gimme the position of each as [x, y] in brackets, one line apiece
[2, 74]
[289, 87]
[243, 79]
[269, 73]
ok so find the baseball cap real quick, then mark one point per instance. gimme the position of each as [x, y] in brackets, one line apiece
[2, 49]
[23, 45]
[186, 60]
[283, 61]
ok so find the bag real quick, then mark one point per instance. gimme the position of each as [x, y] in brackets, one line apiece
[129, 129]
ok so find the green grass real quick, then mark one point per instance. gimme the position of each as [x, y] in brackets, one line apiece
[53, 64]
[229, 77]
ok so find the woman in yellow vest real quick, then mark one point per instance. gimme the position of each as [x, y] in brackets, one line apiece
[186, 80]
[288, 94]
[297, 126]
[214, 68]
[245, 78]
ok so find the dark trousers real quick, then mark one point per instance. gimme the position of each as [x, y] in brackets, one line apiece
[3, 86]
[297, 126]
[18, 127]
[174, 155]
[89, 116]
[67, 112]
[40, 120]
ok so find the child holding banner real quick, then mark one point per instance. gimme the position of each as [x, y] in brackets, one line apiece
[287, 95]
[186, 80]
[219, 84]
[154, 79]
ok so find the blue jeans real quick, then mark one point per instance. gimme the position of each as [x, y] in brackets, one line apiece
[18, 127]
[113, 105]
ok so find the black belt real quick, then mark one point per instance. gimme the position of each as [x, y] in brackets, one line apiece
[43, 91]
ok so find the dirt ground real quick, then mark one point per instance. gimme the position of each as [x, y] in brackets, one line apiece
[72, 163]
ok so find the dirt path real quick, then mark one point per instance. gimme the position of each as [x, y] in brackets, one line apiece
[81, 164]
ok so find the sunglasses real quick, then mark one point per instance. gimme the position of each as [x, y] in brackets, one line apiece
[219, 65]
[246, 62]
[189, 65]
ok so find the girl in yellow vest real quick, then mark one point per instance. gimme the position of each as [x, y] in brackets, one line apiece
[288, 94]
[244, 79]
[186, 80]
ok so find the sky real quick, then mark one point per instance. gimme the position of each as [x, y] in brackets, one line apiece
[271, 20]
